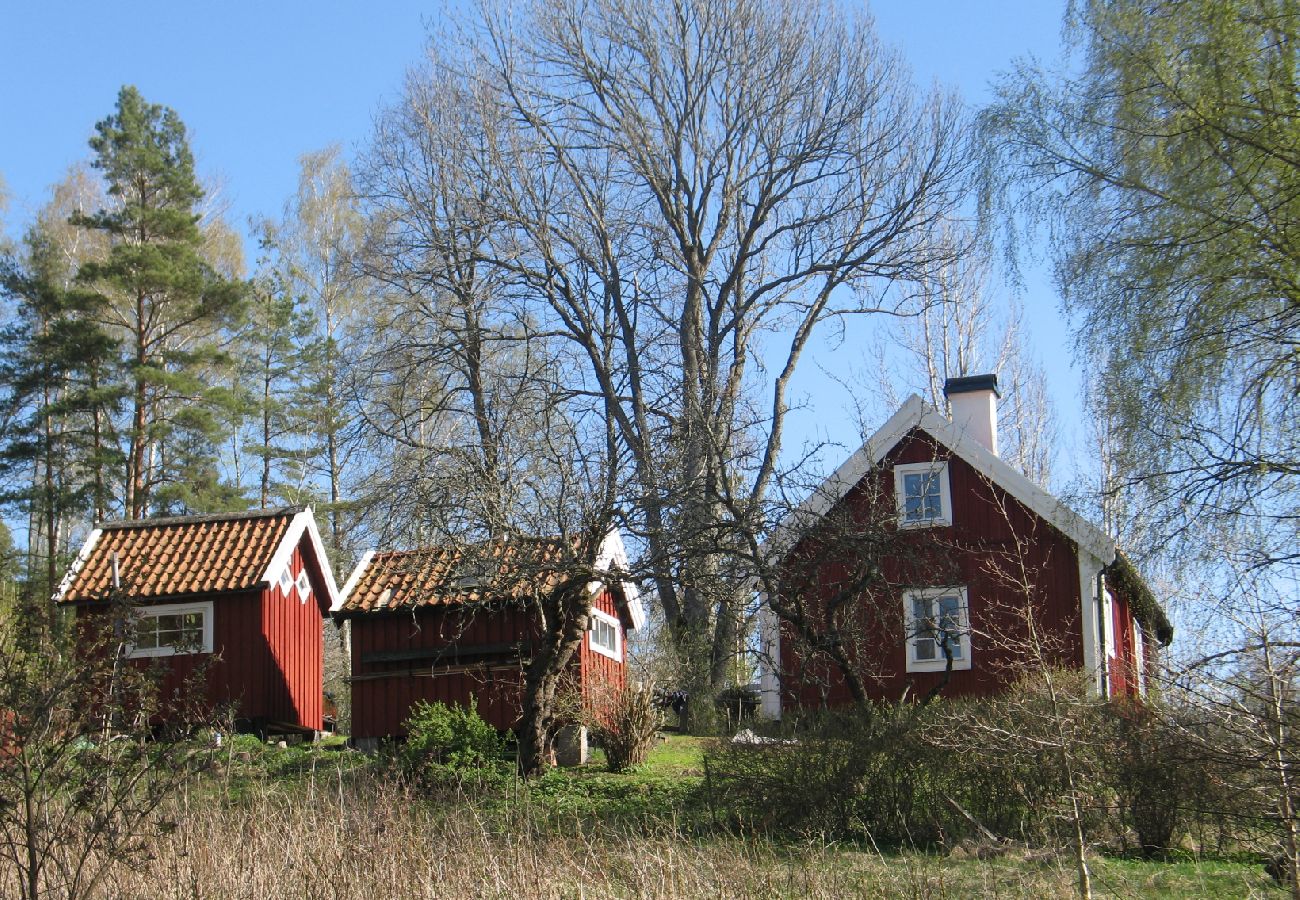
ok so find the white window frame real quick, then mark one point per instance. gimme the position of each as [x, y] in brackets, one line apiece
[173, 609]
[940, 663]
[1108, 625]
[939, 467]
[1140, 658]
[598, 616]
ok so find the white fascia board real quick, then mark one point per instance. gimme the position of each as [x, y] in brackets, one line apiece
[351, 583]
[769, 630]
[303, 523]
[82, 555]
[915, 413]
[1089, 568]
[611, 558]
[842, 480]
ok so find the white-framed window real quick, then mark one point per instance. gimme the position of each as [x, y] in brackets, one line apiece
[1140, 658]
[286, 581]
[172, 629]
[938, 626]
[921, 490]
[605, 636]
[1108, 624]
[304, 586]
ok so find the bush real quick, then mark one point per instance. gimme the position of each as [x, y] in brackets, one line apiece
[449, 742]
[627, 727]
[865, 772]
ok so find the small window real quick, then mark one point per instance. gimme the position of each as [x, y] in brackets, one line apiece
[304, 586]
[937, 628]
[172, 630]
[286, 581]
[922, 493]
[604, 635]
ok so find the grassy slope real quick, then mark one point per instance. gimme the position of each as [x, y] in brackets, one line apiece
[315, 822]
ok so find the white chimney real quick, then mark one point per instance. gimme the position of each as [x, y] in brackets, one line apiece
[973, 407]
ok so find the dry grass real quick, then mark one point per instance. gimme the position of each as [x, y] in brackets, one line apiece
[331, 833]
[362, 842]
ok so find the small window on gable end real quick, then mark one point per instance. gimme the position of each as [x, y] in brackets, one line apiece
[604, 635]
[922, 493]
[938, 627]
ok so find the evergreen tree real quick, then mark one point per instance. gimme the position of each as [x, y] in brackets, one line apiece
[169, 306]
[54, 362]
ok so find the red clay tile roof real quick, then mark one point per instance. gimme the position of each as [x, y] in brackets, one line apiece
[178, 556]
[449, 575]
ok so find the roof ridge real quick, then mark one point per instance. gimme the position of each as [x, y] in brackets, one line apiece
[119, 524]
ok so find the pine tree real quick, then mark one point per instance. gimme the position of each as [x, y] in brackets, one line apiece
[170, 307]
[53, 360]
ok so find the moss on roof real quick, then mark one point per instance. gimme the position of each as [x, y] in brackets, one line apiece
[1146, 609]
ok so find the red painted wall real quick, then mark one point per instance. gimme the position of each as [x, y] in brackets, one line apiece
[993, 549]
[381, 704]
[267, 660]
[601, 675]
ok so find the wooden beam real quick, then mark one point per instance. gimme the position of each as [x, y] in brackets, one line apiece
[449, 655]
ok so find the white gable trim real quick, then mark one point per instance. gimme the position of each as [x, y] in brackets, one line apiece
[82, 555]
[351, 584]
[611, 558]
[303, 523]
[915, 413]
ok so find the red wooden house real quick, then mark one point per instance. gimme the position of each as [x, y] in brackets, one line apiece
[242, 594]
[987, 574]
[424, 625]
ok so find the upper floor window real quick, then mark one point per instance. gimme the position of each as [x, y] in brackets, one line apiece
[604, 635]
[922, 493]
[937, 628]
[172, 629]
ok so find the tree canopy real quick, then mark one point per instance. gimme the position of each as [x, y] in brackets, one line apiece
[1166, 169]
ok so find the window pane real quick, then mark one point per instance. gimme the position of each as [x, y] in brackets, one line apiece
[950, 624]
[925, 648]
[146, 638]
[169, 623]
[193, 620]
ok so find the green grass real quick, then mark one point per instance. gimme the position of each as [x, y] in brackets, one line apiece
[662, 801]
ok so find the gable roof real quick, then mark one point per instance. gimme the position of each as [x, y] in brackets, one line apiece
[915, 413]
[384, 581]
[183, 555]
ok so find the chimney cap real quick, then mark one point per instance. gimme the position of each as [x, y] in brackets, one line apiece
[971, 383]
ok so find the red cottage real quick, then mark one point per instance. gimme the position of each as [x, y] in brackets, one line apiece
[246, 593]
[421, 630]
[978, 555]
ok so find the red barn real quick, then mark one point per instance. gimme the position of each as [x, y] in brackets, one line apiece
[421, 629]
[244, 594]
[985, 574]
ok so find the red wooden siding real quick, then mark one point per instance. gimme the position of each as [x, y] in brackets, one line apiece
[994, 546]
[267, 660]
[292, 630]
[384, 692]
[601, 675]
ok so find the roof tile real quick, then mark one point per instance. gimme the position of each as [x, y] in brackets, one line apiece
[178, 556]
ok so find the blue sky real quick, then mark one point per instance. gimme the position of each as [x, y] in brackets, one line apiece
[259, 84]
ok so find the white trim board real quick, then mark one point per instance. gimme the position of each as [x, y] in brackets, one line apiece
[303, 523]
[915, 413]
[351, 583]
[77, 564]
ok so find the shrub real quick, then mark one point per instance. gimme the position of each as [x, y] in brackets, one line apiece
[864, 772]
[627, 727]
[449, 742]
